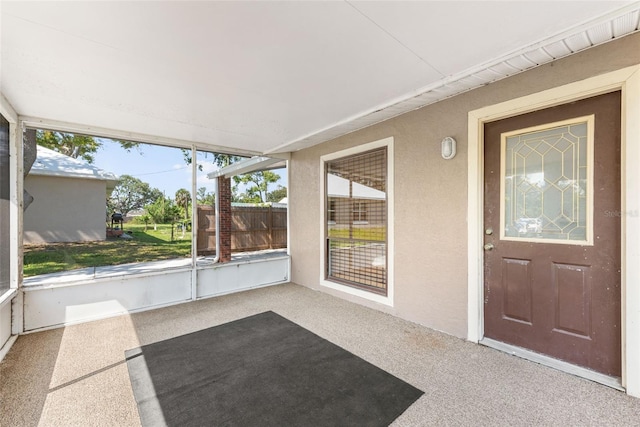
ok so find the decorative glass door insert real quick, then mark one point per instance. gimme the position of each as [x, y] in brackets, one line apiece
[547, 183]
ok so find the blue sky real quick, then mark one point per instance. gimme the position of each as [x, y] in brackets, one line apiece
[161, 167]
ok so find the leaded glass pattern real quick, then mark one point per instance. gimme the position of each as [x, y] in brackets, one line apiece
[546, 182]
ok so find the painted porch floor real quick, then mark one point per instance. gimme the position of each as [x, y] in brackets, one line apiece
[77, 376]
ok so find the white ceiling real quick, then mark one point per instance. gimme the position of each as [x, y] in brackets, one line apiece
[275, 76]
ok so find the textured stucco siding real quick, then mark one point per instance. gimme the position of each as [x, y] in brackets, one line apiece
[430, 282]
[65, 210]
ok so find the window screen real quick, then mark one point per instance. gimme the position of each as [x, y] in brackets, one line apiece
[5, 204]
[356, 215]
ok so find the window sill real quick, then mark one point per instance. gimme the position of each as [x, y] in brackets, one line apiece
[380, 299]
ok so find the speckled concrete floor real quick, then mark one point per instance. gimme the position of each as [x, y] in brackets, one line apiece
[77, 376]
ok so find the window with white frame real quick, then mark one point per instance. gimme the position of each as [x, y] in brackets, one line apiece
[331, 211]
[359, 212]
[356, 213]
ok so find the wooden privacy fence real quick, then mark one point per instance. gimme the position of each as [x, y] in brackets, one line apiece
[253, 228]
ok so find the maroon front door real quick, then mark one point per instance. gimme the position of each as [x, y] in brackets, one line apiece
[552, 232]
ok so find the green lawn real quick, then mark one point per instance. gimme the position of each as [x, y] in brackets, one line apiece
[150, 245]
[359, 233]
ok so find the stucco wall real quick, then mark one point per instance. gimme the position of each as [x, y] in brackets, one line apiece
[430, 193]
[65, 210]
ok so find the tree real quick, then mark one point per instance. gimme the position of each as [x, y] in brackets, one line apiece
[183, 198]
[204, 198]
[277, 194]
[75, 145]
[156, 211]
[163, 210]
[220, 160]
[130, 194]
[257, 185]
[145, 219]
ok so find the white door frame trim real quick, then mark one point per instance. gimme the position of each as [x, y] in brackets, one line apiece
[628, 81]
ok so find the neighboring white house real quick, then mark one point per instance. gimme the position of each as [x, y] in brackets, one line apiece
[69, 199]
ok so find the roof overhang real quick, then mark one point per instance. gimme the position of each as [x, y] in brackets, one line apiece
[260, 78]
[253, 164]
[582, 36]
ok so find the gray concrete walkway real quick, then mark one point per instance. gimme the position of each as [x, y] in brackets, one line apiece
[77, 376]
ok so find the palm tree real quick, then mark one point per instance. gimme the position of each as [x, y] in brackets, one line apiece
[183, 198]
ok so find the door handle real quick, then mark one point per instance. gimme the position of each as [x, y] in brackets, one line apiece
[488, 246]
